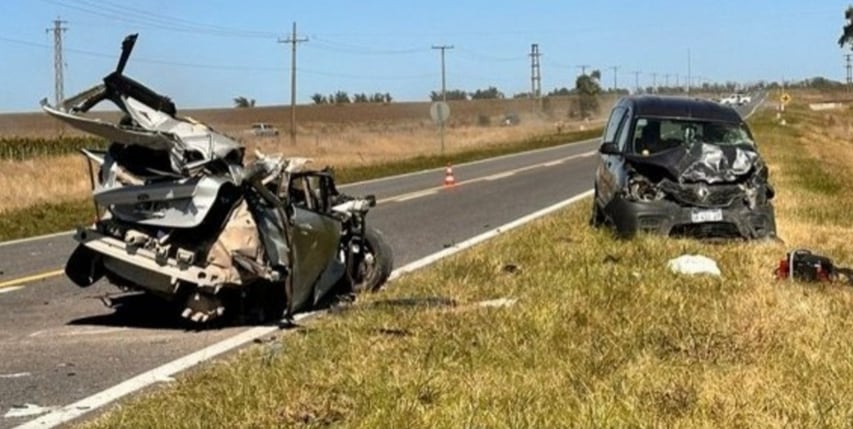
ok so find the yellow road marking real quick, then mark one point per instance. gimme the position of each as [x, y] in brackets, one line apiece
[32, 278]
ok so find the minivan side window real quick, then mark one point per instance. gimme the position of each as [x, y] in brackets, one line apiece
[613, 124]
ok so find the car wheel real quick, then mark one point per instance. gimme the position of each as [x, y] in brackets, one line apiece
[377, 263]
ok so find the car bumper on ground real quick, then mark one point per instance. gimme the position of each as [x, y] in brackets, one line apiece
[669, 218]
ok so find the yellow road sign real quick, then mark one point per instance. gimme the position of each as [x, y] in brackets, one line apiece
[785, 98]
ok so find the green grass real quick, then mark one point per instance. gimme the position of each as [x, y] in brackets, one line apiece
[24, 148]
[61, 216]
[601, 335]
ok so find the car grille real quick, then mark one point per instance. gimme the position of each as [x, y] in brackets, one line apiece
[706, 230]
[702, 195]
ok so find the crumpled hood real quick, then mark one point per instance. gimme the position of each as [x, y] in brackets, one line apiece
[700, 162]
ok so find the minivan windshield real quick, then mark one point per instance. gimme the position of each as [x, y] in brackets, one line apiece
[652, 135]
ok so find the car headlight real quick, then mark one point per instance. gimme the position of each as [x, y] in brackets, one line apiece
[640, 188]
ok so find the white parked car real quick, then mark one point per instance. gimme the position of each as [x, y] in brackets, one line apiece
[736, 99]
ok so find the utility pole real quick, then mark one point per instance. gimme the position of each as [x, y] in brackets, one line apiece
[58, 62]
[615, 78]
[636, 81]
[689, 72]
[443, 88]
[666, 80]
[293, 40]
[677, 77]
[583, 68]
[535, 76]
[654, 83]
[849, 72]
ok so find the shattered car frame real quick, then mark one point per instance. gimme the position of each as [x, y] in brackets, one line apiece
[682, 167]
[181, 216]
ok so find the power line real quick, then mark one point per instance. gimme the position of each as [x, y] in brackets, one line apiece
[535, 74]
[293, 40]
[443, 89]
[58, 62]
[120, 15]
[347, 48]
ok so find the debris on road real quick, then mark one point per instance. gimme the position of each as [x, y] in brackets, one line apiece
[26, 410]
[693, 265]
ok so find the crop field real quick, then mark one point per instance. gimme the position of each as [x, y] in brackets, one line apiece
[598, 332]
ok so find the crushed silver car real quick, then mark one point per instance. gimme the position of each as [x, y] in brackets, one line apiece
[181, 216]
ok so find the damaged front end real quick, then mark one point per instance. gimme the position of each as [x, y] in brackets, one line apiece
[703, 191]
[181, 216]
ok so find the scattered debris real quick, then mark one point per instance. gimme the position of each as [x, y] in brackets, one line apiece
[511, 268]
[498, 303]
[392, 332]
[610, 259]
[694, 264]
[26, 410]
[803, 265]
[430, 301]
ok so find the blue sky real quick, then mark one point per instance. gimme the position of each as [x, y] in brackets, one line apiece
[204, 53]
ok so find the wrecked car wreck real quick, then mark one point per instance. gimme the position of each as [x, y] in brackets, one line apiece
[682, 167]
[183, 217]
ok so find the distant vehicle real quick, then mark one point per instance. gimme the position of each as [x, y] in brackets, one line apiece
[511, 119]
[682, 167]
[736, 99]
[263, 130]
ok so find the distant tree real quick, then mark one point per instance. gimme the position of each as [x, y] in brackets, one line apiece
[588, 88]
[518, 95]
[243, 102]
[452, 94]
[359, 98]
[341, 97]
[490, 93]
[388, 98]
[560, 91]
[847, 31]
[319, 99]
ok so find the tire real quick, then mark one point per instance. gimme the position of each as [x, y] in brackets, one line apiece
[372, 275]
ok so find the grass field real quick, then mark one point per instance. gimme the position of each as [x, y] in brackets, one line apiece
[601, 335]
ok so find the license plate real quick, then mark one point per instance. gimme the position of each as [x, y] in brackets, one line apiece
[700, 216]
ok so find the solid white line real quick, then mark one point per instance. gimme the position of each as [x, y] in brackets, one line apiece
[70, 412]
[456, 248]
[553, 163]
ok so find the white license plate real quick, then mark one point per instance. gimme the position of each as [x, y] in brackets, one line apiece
[699, 216]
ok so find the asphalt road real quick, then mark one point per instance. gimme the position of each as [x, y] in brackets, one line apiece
[59, 343]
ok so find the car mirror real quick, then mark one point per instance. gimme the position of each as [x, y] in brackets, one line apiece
[609, 148]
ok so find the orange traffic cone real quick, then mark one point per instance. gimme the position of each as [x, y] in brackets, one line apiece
[449, 180]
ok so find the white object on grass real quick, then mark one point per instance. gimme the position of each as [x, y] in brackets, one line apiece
[693, 264]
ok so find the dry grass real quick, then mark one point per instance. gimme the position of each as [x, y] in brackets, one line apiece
[602, 335]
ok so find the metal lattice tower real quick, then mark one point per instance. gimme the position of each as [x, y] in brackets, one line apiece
[58, 62]
[535, 72]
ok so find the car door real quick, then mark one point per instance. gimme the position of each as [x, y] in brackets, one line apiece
[606, 176]
[315, 239]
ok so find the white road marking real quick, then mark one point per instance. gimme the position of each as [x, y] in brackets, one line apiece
[500, 175]
[36, 238]
[10, 289]
[72, 411]
[26, 410]
[553, 163]
[78, 332]
[414, 195]
[16, 375]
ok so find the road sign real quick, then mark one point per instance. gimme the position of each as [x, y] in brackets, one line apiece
[785, 98]
[439, 112]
